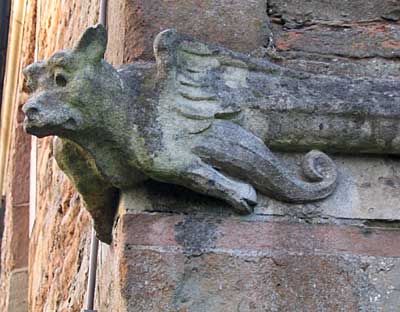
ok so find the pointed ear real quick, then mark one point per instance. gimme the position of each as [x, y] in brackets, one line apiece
[93, 43]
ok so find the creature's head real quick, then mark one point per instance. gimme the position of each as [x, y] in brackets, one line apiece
[69, 88]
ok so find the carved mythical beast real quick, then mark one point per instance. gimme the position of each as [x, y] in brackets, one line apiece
[180, 120]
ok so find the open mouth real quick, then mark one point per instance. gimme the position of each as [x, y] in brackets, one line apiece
[34, 126]
[36, 129]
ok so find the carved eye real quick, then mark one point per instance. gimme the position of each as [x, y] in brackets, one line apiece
[60, 80]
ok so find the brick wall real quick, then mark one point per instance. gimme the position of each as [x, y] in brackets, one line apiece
[61, 234]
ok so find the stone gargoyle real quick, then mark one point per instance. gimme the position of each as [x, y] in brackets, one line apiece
[200, 117]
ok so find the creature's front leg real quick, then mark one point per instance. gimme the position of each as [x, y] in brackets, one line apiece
[191, 172]
[203, 178]
[100, 197]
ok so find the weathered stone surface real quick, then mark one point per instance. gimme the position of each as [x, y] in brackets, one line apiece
[17, 300]
[202, 263]
[116, 30]
[364, 283]
[214, 21]
[364, 184]
[15, 244]
[15, 240]
[59, 250]
[110, 268]
[195, 97]
[358, 41]
[62, 230]
[223, 282]
[293, 13]
[342, 66]
[368, 188]
[351, 38]
[187, 131]
[20, 169]
[384, 274]
[198, 234]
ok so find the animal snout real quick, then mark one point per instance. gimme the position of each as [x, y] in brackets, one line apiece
[31, 111]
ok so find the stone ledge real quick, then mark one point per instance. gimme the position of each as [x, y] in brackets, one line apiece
[368, 189]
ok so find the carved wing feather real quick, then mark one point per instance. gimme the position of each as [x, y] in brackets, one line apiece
[200, 77]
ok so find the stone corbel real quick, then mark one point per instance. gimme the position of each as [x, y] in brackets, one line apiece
[201, 117]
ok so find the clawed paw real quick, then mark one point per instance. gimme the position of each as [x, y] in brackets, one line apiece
[247, 201]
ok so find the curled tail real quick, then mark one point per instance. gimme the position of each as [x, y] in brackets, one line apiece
[237, 152]
[321, 173]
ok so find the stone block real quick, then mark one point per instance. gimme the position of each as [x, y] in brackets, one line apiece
[357, 41]
[15, 241]
[294, 13]
[223, 282]
[351, 38]
[198, 263]
[59, 240]
[198, 234]
[18, 291]
[20, 162]
[239, 25]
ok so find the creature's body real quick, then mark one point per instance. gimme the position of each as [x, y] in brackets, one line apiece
[177, 121]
